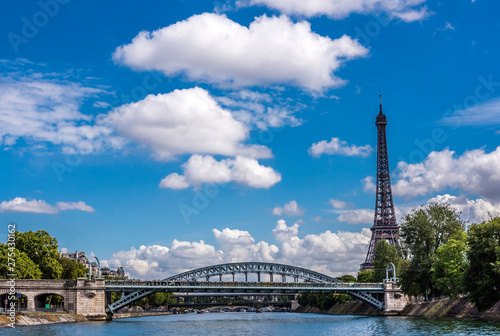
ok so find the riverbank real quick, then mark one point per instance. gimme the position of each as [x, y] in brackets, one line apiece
[28, 319]
[451, 308]
[459, 308]
[138, 314]
[347, 308]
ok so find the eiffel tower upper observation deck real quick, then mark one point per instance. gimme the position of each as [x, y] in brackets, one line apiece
[384, 223]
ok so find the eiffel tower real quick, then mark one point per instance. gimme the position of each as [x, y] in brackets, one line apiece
[384, 223]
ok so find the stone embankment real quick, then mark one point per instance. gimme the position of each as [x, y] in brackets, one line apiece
[348, 308]
[28, 319]
[448, 308]
[42, 318]
[451, 308]
[138, 314]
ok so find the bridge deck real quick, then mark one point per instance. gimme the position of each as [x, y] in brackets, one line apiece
[244, 287]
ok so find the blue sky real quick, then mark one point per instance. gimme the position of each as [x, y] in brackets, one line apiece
[163, 136]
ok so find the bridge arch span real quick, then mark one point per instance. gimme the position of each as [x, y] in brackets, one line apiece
[207, 272]
[40, 299]
[255, 268]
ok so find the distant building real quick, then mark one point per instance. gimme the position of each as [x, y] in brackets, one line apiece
[119, 274]
[79, 257]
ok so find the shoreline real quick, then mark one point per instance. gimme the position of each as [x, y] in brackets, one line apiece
[119, 316]
[39, 318]
[458, 308]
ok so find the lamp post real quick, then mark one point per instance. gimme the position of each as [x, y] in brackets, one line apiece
[98, 267]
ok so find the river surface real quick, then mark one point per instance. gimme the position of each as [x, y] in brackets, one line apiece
[272, 324]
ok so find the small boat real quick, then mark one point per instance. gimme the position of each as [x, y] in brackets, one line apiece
[199, 312]
[258, 311]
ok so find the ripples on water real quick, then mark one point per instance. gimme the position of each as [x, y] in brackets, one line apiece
[272, 324]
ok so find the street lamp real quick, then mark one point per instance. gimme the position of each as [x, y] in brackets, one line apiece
[98, 267]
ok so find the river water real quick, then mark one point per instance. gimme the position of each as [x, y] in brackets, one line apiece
[275, 324]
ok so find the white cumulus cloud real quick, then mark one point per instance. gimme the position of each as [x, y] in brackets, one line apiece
[201, 169]
[289, 209]
[475, 171]
[340, 205]
[414, 15]
[260, 110]
[65, 206]
[368, 184]
[356, 216]
[183, 122]
[44, 110]
[328, 252]
[215, 49]
[283, 233]
[484, 114]
[338, 147]
[475, 211]
[21, 204]
[408, 10]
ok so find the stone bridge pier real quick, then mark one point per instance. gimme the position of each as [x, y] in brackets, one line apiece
[394, 299]
[81, 296]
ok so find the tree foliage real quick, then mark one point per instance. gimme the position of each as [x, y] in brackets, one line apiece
[450, 265]
[25, 268]
[71, 269]
[322, 301]
[384, 254]
[158, 299]
[115, 296]
[42, 249]
[423, 231]
[366, 276]
[347, 278]
[482, 278]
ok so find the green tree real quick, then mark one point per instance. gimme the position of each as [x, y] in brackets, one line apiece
[423, 231]
[347, 278]
[482, 278]
[25, 268]
[158, 299]
[141, 302]
[384, 254]
[115, 296]
[366, 276]
[71, 269]
[450, 265]
[40, 247]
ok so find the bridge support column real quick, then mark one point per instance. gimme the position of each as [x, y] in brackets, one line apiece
[108, 298]
[208, 278]
[283, 278]
[394, 299]
[220, 277]
[271, 277]
[233, 276]
[31, 301]
[258, 276]
[246, 276]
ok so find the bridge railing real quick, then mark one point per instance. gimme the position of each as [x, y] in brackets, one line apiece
[161, 283]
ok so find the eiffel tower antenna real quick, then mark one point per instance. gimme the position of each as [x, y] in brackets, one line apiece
[384, 222]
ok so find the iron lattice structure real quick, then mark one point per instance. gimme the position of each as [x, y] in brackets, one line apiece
[384, 223]
[187, 282]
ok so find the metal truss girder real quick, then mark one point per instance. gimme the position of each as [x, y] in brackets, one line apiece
[252, 267]
[367, 298]
[129, 298]
[246, 267]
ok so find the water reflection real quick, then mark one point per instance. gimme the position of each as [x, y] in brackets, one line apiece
[264, 324]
